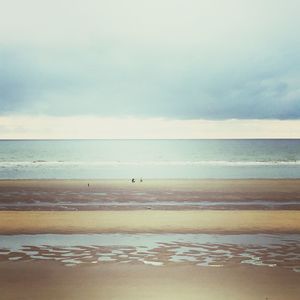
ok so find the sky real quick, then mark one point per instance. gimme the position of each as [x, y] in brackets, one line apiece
[149, 69]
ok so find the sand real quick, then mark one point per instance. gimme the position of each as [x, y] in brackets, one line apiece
[150, 221]
[50, 281]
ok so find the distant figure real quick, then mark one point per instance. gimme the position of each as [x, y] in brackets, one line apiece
[88, 185]
[141, 180]
[133, 180]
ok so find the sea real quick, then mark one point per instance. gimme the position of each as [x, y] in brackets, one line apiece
[152, 159]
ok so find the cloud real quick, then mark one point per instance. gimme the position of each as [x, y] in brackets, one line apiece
[149, 59]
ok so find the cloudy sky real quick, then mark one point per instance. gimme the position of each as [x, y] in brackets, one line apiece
[140, 69]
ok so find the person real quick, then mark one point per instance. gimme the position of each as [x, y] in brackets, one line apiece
[133, 180]
[88, 185]
[141, 179]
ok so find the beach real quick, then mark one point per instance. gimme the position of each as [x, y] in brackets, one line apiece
[156, 239]
[149, 150]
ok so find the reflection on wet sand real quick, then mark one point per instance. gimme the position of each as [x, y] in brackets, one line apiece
[136, 205]
[156, 249]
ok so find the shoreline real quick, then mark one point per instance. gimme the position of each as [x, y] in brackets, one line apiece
[152, 182]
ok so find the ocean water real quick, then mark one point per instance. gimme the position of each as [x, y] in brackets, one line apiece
[71, 159]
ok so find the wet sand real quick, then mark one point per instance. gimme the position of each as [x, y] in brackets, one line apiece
[49, 281]
[72, 195]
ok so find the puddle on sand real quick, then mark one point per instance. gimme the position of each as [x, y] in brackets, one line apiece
[210, 250]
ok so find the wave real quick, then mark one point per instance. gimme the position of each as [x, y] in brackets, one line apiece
[36, 163]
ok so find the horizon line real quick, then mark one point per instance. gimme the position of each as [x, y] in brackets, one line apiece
[154, 139]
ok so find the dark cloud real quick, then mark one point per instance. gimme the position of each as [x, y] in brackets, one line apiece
[77, 84]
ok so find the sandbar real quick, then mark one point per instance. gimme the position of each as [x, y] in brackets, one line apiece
[30, 222]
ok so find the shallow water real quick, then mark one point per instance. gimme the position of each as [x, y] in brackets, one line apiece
[211, 250]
